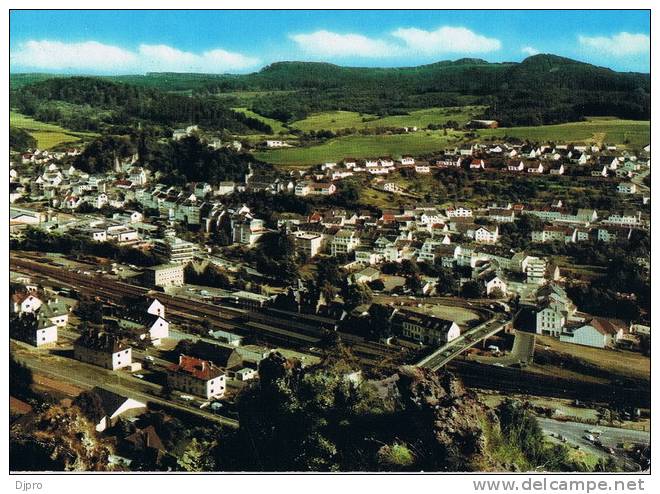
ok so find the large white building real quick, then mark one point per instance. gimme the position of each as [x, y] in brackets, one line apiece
[175, 250]
[308, 244]
[45, 332]
[25, 302]
[551, 318]
[429, 330]
[598, 333]
[459, 212]
[344, 242]
[535, 270]
[198, 377]
[247, 231]
[486, 234]
[627, 218]
[164, 275]
[554, 310]
[102, 349]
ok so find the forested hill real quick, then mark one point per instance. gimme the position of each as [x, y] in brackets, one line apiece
[542, 89]
[89, 103]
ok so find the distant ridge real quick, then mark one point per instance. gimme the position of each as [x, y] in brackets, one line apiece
[541, 89]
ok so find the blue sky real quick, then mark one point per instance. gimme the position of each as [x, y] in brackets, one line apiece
[133, 42]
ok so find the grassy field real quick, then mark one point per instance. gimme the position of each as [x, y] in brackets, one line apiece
[620, 362]
[276, 125]
[245, 98]
[360, 147]
[47, 135]
[633, 133]
[334, 120]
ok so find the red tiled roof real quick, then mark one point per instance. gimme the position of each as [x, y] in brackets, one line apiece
[197, 368]
[603, 326]
[20, 297]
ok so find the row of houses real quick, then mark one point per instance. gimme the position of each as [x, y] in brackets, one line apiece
[543, 159]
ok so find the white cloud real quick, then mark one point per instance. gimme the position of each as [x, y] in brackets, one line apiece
[529, 50]
[168, 59]
[618, 45]
[446, 39]
[92, 56]
[408, 41]
[329, 44]
[88, 55]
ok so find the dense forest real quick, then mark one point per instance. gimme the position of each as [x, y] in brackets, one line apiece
[75, 103]
[542, 89]
[20, 140]
[178, 161]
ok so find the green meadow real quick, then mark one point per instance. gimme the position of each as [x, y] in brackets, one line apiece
[336, 120]
[357, 146]
[47, 135]
[276, 125]
[597, 130]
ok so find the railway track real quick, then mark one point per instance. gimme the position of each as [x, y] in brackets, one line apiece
[280, 327]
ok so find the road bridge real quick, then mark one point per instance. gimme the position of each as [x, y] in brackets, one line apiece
[446, 353]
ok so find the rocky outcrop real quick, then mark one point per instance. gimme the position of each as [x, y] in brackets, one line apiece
[58, 439]
[454, 426]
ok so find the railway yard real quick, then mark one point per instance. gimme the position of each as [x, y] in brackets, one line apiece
[305, 334]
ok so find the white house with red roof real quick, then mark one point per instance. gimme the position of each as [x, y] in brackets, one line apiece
[198, 377]
[25, 302]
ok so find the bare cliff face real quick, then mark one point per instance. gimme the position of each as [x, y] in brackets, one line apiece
[457, 429]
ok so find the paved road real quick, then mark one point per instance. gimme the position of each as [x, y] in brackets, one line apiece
[574, 433]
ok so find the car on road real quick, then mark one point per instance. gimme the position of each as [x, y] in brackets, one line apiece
[187, 397]
[139, 376]
[149, 358]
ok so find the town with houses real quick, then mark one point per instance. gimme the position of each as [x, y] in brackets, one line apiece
[441, 267]
[378, 252]
[135, 320]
